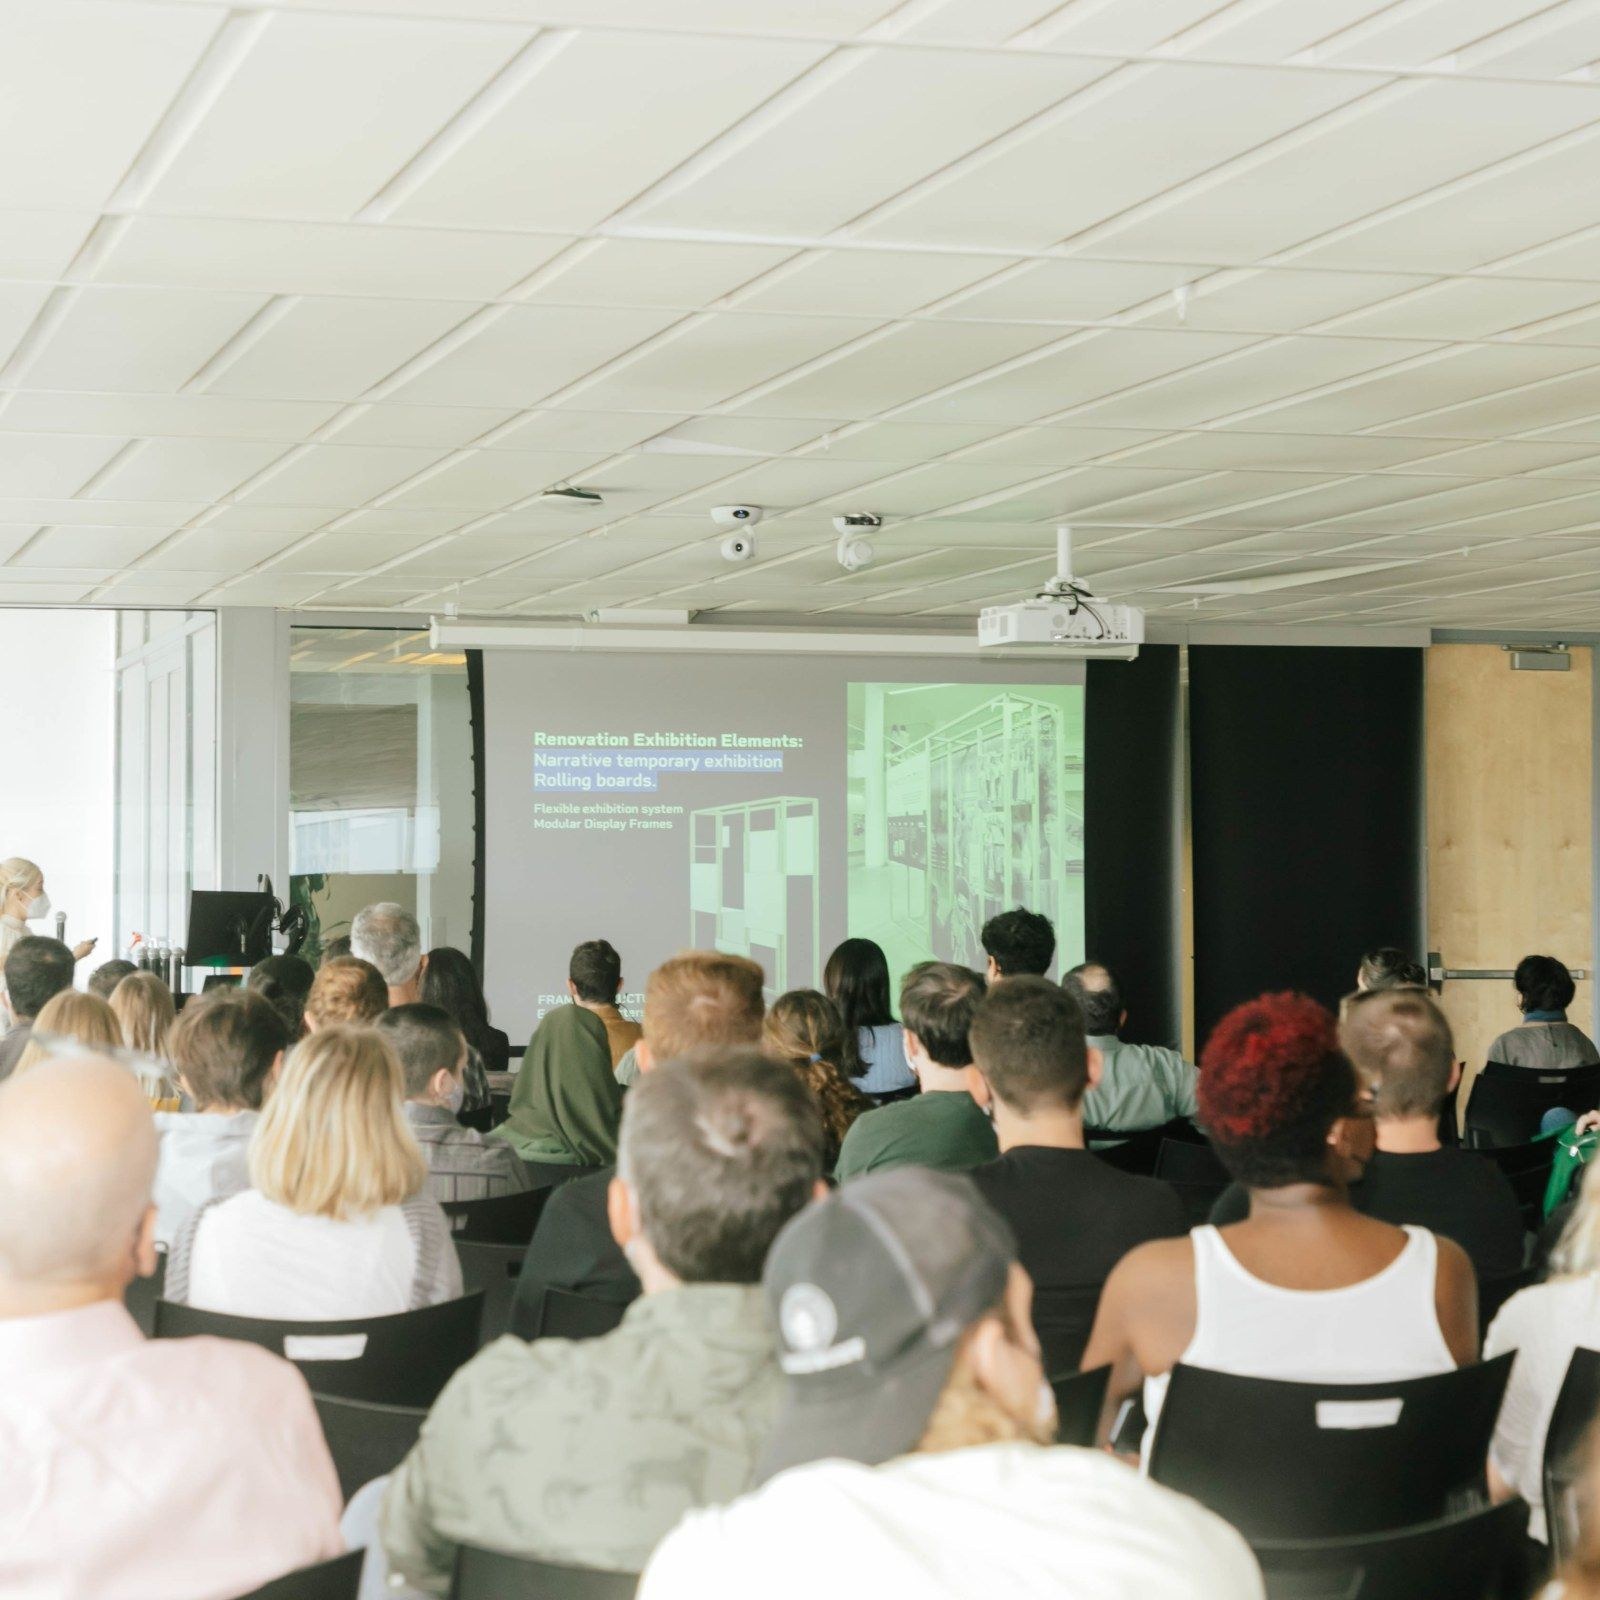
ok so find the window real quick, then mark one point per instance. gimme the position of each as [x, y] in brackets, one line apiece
[381, 781]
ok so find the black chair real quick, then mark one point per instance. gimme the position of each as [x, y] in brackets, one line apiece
[507, 1219]
[141, 1295]
[403, 1360]
[1063, 1320]
[1507, 1104]
[366, 1440]
[565, 1315]
[480, 1120]
[338, 1579]
[1196, 1172]
[1565, 1440]
[1137, 1152]
[1473, 1556]
[1080, 1396]
[1527, 1169]
[489, 1575]
[1326, 1460]
[491, 1270]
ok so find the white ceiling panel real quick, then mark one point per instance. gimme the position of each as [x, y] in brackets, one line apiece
[448, 427]
[34, 464]
[555, 154]
[868, 282]
[108, 548]
[322, 348]
[175, 415]
[323, 110]
[181, 469]
[338, 475]
[652, 272]
[41, 244]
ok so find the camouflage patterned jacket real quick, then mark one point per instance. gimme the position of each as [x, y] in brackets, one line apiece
[590, 1452]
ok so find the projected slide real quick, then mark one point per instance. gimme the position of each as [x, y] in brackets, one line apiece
[965, 800]
[768, 807]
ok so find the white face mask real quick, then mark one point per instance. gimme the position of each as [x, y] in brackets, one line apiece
[457, 1096]
[37, 907]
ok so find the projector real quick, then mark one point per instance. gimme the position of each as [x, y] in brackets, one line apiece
[1064, 616]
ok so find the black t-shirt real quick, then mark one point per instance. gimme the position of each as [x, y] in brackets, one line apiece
[1449, 1191]
[572, 1248]
[1075, 1218]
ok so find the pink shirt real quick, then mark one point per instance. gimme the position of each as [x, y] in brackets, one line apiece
[167, 1469]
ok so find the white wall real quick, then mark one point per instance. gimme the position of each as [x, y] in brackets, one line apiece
[57, 761]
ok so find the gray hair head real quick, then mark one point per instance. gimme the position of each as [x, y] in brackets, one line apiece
[390, 938]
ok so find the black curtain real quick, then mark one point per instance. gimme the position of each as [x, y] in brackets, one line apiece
[479, 801]
[1306, 801]
[1132, 784]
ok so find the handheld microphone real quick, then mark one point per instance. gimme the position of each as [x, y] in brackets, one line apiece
[61, 926]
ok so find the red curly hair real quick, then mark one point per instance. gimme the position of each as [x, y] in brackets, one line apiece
[1273, 1081]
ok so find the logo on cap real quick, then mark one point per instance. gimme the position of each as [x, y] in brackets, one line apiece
[807, 1318]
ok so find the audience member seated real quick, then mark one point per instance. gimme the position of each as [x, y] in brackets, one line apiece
[1140, 1085]
[912, 1457]
[873, 1057]
[565, 1101]
[594, 980]
[227, 1048]
[1545, 1041]
[1544, 1325]
[1074, 1216]
[1307, 1288]
[286, 982]
[450, 981]
[334, 949]
[587, 1452]
[142, 1004]
[1399, 1042]
[36, 971]
[945, 1126]
[390, 938]
[1019, 944]
[346, 990]
[75, 1018]
[462, 1164]
[184, 1469]
[339, 1223]
[105, 978]
[696, 1002]
[1388, 968]
[803, 1029]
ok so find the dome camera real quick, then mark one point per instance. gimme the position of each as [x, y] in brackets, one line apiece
[739, 547]
[853, 553]
[736, 516]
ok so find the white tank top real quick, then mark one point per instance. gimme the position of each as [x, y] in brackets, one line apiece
[1380, 1330]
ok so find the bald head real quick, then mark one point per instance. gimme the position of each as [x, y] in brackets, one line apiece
[1098, 997]
[77, 1161]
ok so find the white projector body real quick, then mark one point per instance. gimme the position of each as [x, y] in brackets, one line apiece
[1108, 632]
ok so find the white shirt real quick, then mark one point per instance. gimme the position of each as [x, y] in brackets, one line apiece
[255, 1258]
[167, 1469]
[1381, 1330]
[1010, 1520]
[1544, 1325]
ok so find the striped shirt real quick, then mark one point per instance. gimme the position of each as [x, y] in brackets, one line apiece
[462, 1164]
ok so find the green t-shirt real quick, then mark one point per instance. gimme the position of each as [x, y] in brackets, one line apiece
[945, 1130]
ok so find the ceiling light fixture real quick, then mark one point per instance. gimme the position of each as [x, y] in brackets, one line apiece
[571, 499]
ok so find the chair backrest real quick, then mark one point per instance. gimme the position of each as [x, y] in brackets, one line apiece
[490, 1575]
[1471, 1556]
[1507, 1103]
[1063, 1320]
[141, 1295]
[1576, 1407]
[565, 1315]
[339, 1579]
[1494, 1292]
[507, 1219]
[403, 1360]
[1137, 1152]
[491, 1270]
[366, 1440]
[1326, 1460]
[1197, 1174]
[1080, 1397]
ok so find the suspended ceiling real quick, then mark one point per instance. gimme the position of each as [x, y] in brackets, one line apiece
[1291, 307]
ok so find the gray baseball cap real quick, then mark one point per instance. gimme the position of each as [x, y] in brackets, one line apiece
[870, 1291]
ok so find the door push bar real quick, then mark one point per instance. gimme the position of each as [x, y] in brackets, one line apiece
[1439, 973]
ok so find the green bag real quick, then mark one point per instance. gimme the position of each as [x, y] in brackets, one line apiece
[1573, 1152]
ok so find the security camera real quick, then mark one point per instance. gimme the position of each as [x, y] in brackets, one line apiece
[853, 554]
[739, 546]
[853, 522]
[736, 517]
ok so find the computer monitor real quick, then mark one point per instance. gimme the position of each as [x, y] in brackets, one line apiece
[229, 928]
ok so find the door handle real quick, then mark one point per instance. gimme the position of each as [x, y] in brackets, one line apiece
[1438, 972]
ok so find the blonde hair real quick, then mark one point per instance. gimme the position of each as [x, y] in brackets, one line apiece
[333, 1140]
[966, 1414]
[71, 1014]
[17, 872]
[1577, 1253]
[702, 1000]
[1579, 1579]
[144, 1009]
[346, 989]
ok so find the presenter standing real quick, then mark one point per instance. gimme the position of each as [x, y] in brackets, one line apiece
[23, 900]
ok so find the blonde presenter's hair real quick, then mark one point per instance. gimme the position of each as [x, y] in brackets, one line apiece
[333, 1140]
